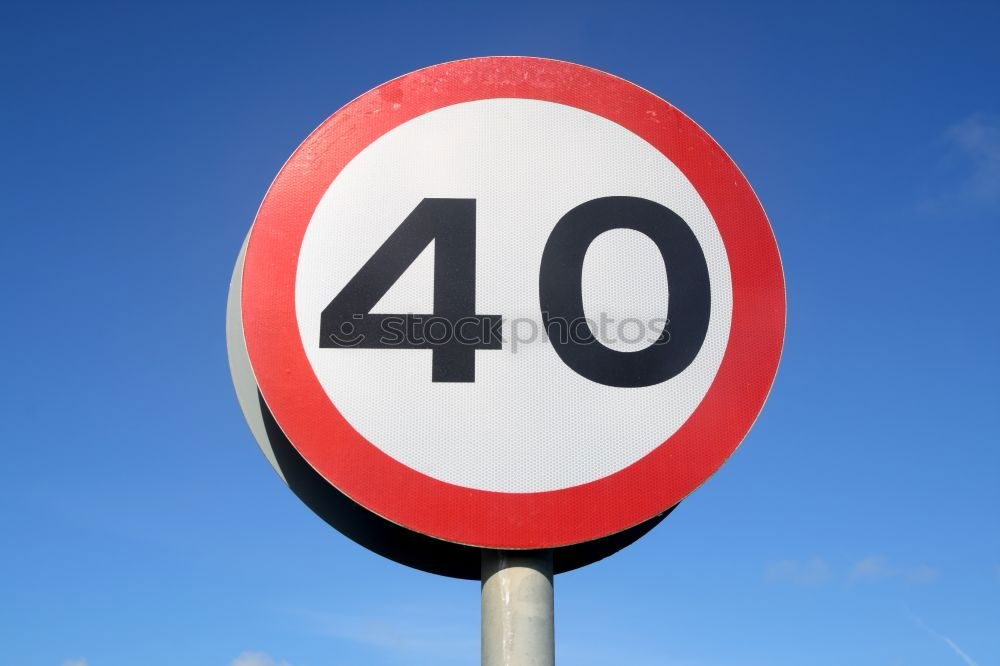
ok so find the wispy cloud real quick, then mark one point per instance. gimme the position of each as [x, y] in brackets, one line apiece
[812, 572]
[256, 659]
[877, 567]
[976, 140]
[75, 662]
[959, 652]
[816, 571]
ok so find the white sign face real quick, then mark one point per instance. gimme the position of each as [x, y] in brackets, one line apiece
[512, 303]
[528, 422]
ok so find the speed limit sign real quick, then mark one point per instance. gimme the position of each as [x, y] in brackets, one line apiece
[511, 303]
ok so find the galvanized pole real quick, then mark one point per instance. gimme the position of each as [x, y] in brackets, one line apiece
[517, 605]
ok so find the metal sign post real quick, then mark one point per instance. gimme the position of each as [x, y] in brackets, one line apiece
[518, 626]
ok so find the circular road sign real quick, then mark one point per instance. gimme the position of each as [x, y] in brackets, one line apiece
[512, 303]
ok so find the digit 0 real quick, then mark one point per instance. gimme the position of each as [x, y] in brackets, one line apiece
[560, 292]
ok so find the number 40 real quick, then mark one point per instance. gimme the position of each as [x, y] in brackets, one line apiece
[454, 331]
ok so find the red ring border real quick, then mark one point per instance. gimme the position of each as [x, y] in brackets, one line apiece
[490, 519]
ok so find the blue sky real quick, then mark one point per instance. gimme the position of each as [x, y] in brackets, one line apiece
[856, 525]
